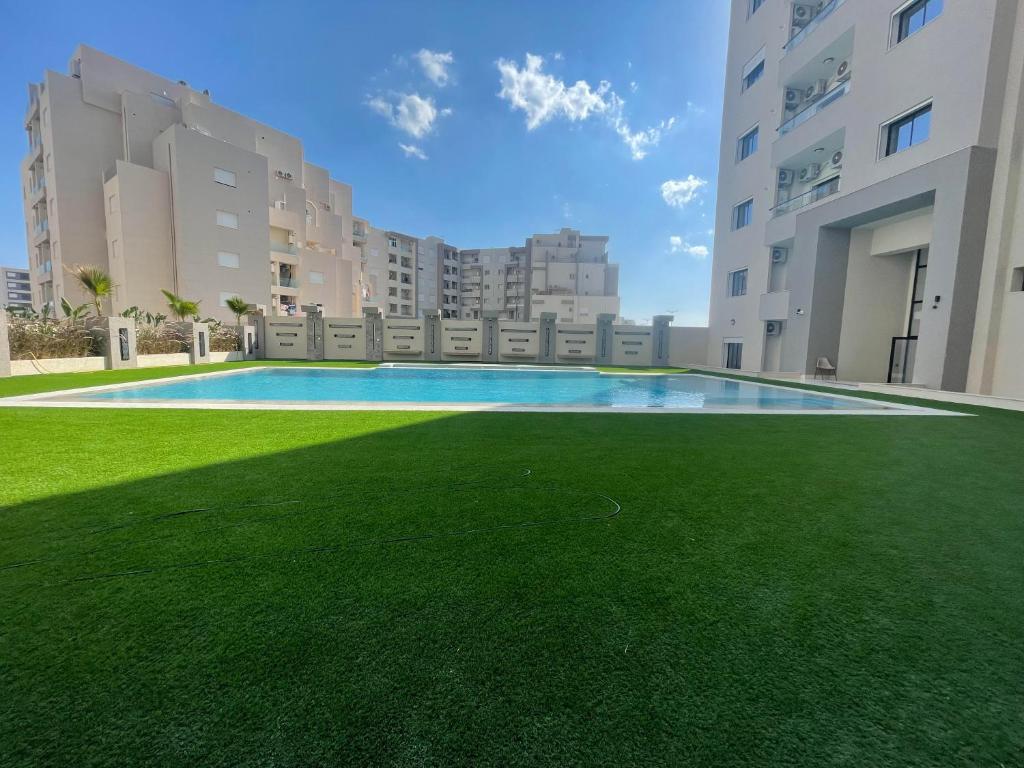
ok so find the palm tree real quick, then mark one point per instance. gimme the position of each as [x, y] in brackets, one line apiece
[181, 308]
[238, 306]
[95, 282]
[71, 312]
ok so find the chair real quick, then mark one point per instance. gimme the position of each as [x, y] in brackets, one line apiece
[824, 368]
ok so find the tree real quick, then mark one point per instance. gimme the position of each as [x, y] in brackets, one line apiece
[238, 307]
[181, 308]
[95, 282]
[71, 312]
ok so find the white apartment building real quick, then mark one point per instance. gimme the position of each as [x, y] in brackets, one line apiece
[570, 276]
[150, 180]
[389, 260]
[437, 278]
[868, 192]
[494, 280]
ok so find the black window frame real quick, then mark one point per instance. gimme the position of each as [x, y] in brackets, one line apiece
[738, 281]
[758, 70]
[745, 205]
[892, 130]
[905, 17]
[743, 142]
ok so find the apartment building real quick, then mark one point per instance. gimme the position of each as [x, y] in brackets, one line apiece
[571, 276]
[861, 142]
[389, 267]
[18, 293]
[494, 280]
[437, 278]
[150, 180]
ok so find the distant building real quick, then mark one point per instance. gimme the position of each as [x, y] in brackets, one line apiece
[18, 287]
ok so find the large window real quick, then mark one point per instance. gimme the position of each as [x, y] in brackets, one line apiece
[754, 5]
[738, 283]
[743, 214]
[904, 132]
[915, 16]
[747, 144]
[227, 259]
[227, 219]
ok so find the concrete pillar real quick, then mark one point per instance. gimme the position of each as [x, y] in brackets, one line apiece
[247, 337]
[374, 324]
[432, 335]
[199, 334]
[115, 338]
[314, 331]
[548, 342]
[660, 340]
[605, 339]
[5, 346]
[489, 336]
[256, 319]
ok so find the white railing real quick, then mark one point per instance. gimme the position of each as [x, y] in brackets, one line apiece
[832, 95]
[813, 195]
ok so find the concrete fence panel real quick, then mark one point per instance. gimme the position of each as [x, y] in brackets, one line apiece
[286, 338]
[575, 342]
[403, 339]
[631, 345]
[461, 339]
[518, 341]
[344, 338]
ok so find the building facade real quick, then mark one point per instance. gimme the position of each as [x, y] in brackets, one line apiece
[153, 182]
[856, 221]
[18, 287]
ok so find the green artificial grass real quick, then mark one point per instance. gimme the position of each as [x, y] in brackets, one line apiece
[393, 588]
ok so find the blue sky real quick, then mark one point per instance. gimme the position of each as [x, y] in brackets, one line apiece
[536, 120]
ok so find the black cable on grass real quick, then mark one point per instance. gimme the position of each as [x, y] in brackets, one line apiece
[320, 548]
[319, 504]
[92, 529]
[332, 548]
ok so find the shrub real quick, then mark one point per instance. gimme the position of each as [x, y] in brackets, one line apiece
[223, 338]
[40, 339]
[159, 339]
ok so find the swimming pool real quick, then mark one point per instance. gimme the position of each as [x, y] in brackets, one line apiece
[426, 387]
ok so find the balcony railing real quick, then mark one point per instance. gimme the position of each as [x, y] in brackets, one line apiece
[285, 282]
[283, 247]
[811, 25]
[835, 93]
[813, 195]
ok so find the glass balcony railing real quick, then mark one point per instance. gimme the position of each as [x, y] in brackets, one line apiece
[832, 95]
[283, 247]
[811, 25]
[286, 282]
[813, 195]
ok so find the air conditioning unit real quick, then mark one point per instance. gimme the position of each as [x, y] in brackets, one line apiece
[779, 255]
[280, 205]
[843, 72]
[837, 159]
[288, 176]
[803, 13]
[816, 91]
[772, 328]
[810, 172]
[291, 238]
[279, 174]
[793, 97]
[785, 177]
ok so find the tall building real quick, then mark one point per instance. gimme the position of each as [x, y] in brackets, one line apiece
[437, 278]
[389, 260]
[570, 275]
[18, 292]
[152, 181]
[868, 186]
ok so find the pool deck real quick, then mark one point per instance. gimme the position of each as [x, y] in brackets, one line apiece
[67, 399]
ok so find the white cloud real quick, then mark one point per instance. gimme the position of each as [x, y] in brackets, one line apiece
[678, 245]
[679, 192]
[633, 86]
[543, 97]
[411, 150]
[435, 65]
[409, 112]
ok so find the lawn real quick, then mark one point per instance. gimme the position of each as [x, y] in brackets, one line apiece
[401, 588]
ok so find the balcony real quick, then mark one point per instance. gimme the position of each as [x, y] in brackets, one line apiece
[277, 247]
[835, 93]
[774, 306]
[358, 232]
[813, 195]
[800, 33]
[37, 191]
[35, 147]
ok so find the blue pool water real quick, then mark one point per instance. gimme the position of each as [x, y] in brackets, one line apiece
[441, 385]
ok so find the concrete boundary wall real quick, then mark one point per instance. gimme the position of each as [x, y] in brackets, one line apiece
[344, 338]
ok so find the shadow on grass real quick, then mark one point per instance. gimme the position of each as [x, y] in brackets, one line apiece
[401, 588]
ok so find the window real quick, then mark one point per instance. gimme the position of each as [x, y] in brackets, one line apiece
[227, 178]
[751, 74]
[742, 214]
[747, 144]
[906, 131]
[226, 219]
[914, 16]
[393, 242]
[754, 5]
[1018, 280]
[738, 283]
[316, 278]
[227, 259]
[734, 354]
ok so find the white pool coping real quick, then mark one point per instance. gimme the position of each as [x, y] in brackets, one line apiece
[55, 399]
